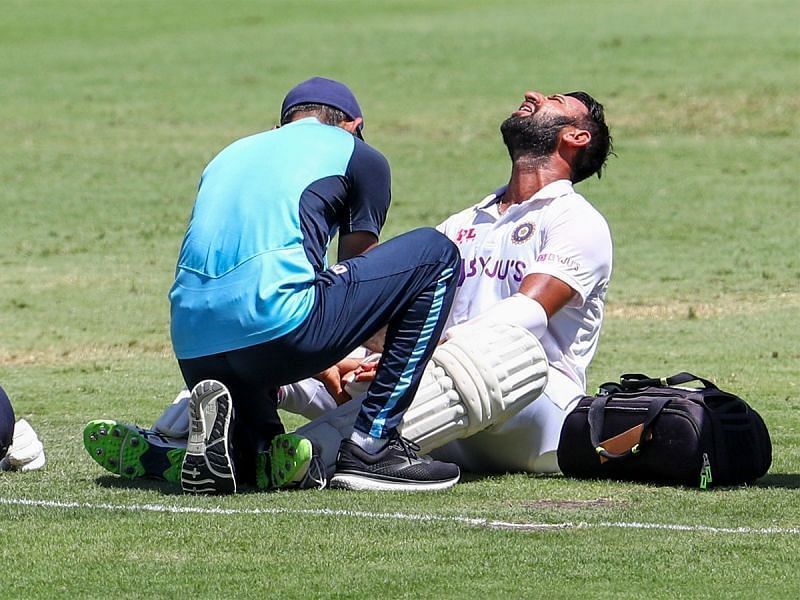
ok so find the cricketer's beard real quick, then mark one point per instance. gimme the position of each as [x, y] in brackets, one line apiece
[532, 136]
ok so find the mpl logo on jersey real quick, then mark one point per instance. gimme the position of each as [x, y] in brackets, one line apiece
[465, 235]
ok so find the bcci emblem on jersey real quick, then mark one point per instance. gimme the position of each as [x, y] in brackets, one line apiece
[522, 232]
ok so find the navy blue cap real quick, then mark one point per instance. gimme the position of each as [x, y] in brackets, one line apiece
[320, 90]
[6, 423]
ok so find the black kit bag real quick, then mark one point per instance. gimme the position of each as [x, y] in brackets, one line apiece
[644, 429]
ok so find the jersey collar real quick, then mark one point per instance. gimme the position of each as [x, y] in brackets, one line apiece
[492, 198]
[555, 189]
[305, 120]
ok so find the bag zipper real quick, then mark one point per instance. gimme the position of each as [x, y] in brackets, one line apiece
[705, 473]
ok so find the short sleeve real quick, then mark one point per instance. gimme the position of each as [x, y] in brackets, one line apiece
[369, 193]
[576, 248]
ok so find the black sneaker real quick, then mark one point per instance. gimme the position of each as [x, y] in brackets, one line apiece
[395, 468]
[208, 466]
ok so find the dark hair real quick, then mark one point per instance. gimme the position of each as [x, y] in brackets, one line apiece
[326, 114]
[593, 157]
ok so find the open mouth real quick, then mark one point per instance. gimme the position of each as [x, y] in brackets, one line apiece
[526, 108]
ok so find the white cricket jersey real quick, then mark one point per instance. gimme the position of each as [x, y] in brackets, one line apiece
[555, 232]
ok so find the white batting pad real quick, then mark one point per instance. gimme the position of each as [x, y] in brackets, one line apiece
[476, 379]
[483, 376]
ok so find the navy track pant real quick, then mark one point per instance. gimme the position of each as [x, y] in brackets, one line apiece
[6, 423]
[406, 283]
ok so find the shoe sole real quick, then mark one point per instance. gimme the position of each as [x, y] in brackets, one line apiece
[207, 466]
[290, 457]
[360, 482]
[124, 450]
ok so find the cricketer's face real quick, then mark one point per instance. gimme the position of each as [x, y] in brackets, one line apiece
[532, 130]
[555, 104]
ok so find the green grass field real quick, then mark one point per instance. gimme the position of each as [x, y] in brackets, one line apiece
[110, 110]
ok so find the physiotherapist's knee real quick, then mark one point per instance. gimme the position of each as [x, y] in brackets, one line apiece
[436, 244]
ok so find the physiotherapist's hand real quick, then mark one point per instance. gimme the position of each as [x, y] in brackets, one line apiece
[363, 373]
[357, 381]
[331, 378]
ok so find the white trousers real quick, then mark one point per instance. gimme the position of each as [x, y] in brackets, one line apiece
[527, 442]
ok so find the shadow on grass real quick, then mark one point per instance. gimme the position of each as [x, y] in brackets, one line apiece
[773, 480]
[473, 477]
[779, 480]
[164, 487]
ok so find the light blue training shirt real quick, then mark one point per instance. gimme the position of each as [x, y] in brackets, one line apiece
[267, 208]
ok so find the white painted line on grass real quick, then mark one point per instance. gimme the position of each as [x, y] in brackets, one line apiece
[397, 516]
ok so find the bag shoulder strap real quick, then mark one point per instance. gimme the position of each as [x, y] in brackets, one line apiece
[637, 381]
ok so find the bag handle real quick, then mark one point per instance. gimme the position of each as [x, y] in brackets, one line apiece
[597, 419]
[637, 381]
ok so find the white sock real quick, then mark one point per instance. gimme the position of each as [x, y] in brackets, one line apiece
[369, 444]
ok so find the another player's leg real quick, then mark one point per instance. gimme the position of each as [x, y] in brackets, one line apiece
[291, 462]
[20, 447]
[133, 452]
[6, 423]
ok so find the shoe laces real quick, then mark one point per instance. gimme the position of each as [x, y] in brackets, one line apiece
[315, 476]
[409, 448]
[148, 434]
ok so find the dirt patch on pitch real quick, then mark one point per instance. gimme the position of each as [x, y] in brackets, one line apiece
[733, 114]
[730, 305]
[69, 356]
[571, 504]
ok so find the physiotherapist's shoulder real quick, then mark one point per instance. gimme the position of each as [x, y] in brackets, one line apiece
[235, 149]
[367, 156]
